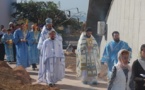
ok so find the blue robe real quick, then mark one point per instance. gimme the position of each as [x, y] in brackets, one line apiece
[110, 53]
[22, 48]
[8, 47]
[34, 52]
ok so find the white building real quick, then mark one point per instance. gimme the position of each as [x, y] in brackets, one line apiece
[127, 17]
[6, 10]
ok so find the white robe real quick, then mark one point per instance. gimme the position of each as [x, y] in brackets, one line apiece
[43, 37]
[52, 63]
[87, 62]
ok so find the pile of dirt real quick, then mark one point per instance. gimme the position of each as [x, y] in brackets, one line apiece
[27, 87]
[70, 61]
[23, 74]
[4, 64]
[18, 79]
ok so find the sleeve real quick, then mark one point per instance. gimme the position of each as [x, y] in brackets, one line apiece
[30, 39]
[127, 47]
[135, 73]
[40, 42]
[16, 37]
[113, 76]
[106, 52]
[44, 51]
[3, 39]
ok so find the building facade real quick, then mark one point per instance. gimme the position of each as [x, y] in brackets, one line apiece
[127, 17]
[6, 10]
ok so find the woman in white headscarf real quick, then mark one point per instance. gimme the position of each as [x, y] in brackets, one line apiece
[121, 72]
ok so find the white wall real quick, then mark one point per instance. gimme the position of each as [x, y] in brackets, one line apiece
[5, 12]
[127, 17]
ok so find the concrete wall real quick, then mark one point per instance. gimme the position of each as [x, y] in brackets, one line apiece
[127, 17]
[5, 11]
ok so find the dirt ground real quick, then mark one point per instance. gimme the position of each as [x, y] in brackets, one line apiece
[70, 61]
[18, 79]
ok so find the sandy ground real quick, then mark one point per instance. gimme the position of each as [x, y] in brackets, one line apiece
[70, 82]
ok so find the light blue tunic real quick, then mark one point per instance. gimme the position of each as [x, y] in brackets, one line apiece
[110, 53]
[34, 52]
[22, 48]
[8, 47]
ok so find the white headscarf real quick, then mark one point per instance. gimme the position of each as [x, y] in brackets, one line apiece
[120, 63]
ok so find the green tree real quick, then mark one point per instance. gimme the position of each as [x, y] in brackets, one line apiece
[37, 12]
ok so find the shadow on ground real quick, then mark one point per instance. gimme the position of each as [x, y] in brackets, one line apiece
[33, 73]
[100, 85]
[69, 87]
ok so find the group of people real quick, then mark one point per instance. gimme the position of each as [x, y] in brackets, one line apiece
[121, 75]
[20, 44]
[34, 47]
[116, 57]
[45, 47]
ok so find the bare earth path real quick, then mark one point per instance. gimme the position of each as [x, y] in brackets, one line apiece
[70, 82]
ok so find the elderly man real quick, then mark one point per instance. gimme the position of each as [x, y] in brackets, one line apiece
[43, 36]
[87, 58]
[52, 60]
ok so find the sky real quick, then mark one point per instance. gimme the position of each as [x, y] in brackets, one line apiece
[72, 5]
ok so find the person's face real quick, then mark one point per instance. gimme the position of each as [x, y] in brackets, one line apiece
[9, 32]
[52, 35]
[116, 37]
[11, 25]
[17, 26]
[143, 53]
[33, 27]
[89, 33]
[2, 26]
[125, 58]
[49, 26]
[22, 26]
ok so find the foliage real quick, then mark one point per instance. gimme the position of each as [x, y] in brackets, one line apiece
[37, 12]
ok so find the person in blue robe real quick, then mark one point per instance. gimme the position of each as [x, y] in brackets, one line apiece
[34, 51]
[7, 39]
[111, 50]
[22, 39]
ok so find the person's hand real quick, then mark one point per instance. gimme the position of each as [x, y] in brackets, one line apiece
[7, 41]
[23, 40]
[105, 63]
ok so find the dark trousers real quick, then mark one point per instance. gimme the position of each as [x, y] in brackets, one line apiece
[34, 66]
[2, 52]
[14, 52]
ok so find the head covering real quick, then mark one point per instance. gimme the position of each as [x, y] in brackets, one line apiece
[52, 30]
[120, 63]
[89, 29]
[48, 21]
[10, 23]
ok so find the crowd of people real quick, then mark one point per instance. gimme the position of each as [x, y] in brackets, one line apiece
[44, 47]
[32, 47]
[116, 57]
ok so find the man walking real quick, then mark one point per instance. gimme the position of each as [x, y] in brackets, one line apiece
[111, 50]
